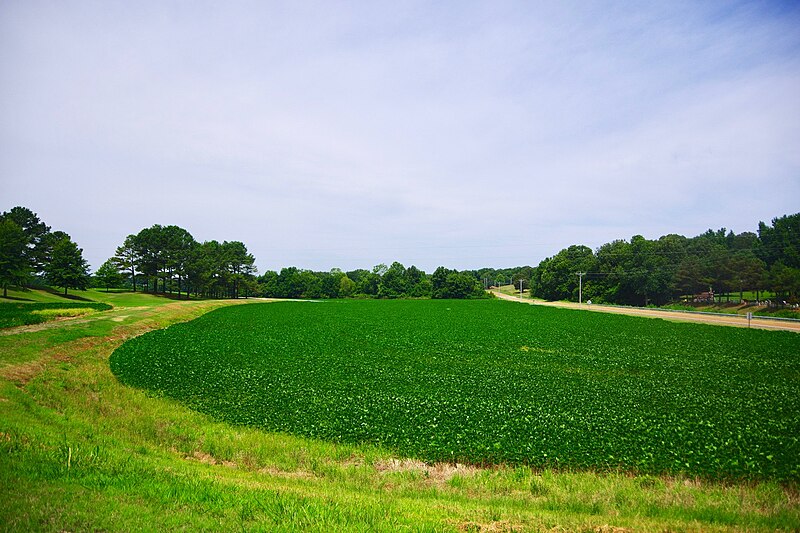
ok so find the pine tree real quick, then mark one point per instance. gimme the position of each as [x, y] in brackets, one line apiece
[14, 264]
[67, 268]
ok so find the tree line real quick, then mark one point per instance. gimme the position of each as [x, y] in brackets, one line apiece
[168, 259]
[644, 272]
[394, 281]
[158, 259]
[31, 251]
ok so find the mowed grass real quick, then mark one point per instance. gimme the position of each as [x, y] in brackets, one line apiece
[115, 297]
[40, 295]
[35, 306]
[80, 451]
[488, 383]
[21, 314]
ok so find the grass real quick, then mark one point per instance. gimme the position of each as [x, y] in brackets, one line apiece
[34, 295]
[117, 298]
[34, 306]
[779, 313]
[22, 314]
[737, 309]
[80, 451]
[512, 291]
[722, 307]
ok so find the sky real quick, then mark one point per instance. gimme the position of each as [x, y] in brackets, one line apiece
[347, 134]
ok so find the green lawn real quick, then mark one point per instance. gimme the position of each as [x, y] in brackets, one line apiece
[81, 451]
[36, 295]
[22, 314]
[27, 307]
[114, 297]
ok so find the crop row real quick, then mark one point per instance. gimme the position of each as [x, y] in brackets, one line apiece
[488, 382]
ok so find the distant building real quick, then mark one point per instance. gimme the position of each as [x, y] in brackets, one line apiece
[704, 297]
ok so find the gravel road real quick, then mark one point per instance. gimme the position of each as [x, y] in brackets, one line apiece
[732, 320]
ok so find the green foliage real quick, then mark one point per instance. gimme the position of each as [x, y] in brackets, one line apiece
[66, 267]
[36, 234]
[108, 276]
[14, 266]
[170, 259]
[780, 313]
[395, 281]
[20, 314]
[781, 241]
[346, 286]
[785, 279]
[125, 258]
[488, 382]
[446, 283]
[556, 279]
[644, 272]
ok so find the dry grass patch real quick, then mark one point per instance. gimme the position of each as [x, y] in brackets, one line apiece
[438, 473]
[489, 527]
[22, 373]
[207, 458]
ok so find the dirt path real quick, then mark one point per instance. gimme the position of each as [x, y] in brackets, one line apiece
[732, 320]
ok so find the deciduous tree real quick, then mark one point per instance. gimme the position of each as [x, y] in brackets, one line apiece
[108, 275]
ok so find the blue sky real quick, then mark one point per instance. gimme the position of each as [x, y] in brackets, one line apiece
[346, 134]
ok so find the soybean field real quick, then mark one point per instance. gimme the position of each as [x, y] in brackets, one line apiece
[490, 382]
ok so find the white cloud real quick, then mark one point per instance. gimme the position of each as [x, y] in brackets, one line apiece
[337, 134]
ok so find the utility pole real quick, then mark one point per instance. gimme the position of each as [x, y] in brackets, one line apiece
[580, 286]
[520, 287]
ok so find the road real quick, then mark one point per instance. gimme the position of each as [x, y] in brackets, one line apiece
[732, 320]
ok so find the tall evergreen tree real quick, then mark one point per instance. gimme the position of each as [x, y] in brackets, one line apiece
[240, 265]
[36, 233]
[66, 266]
[126, 258]
[14, 264]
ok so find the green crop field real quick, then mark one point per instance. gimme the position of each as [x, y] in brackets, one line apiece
[491, 382]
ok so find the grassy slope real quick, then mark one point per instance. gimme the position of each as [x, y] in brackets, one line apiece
[739, 309]
[114, 297]
[35, 295]
[79, 451]
[724, 307]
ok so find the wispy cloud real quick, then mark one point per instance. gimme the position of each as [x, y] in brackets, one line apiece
[345, 134]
